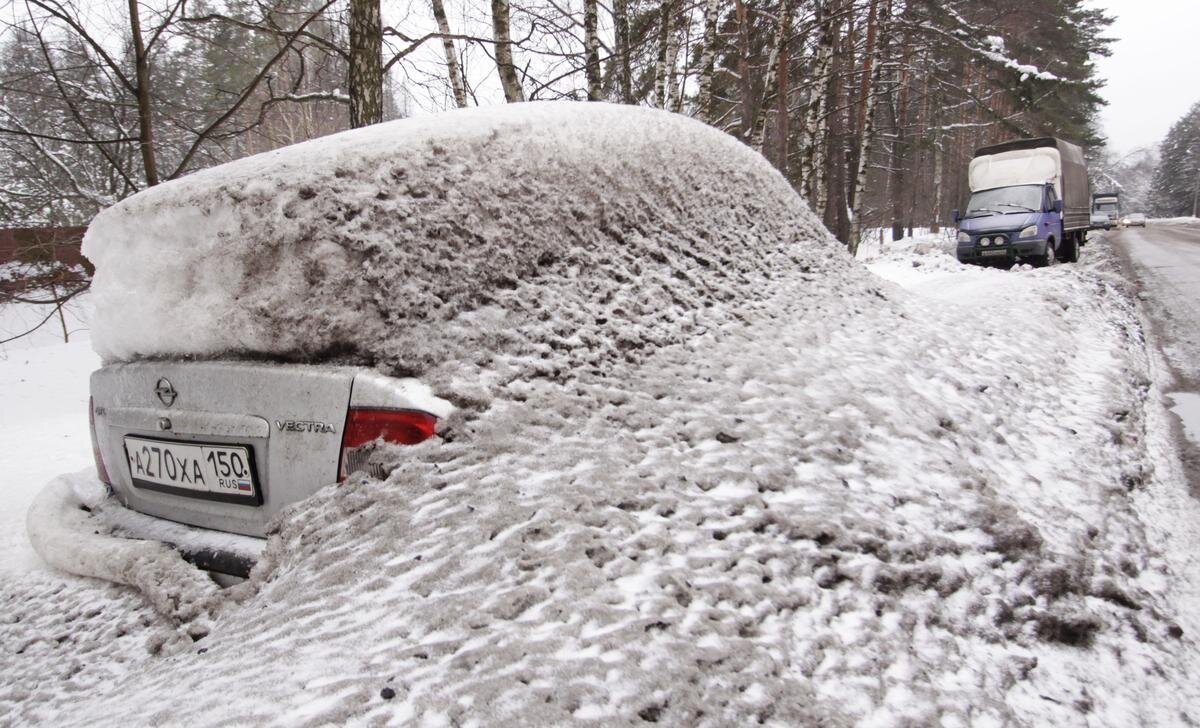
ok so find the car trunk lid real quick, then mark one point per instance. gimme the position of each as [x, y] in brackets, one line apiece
[223, 445]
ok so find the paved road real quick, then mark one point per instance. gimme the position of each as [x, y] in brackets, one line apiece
[1165, 259]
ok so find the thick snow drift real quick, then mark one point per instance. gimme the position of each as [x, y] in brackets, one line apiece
[570, 235]
[822, 515]
[775, 488]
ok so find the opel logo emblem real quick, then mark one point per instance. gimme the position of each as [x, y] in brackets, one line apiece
[166, 393]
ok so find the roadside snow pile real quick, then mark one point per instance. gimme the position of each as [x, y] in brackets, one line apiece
[924, 252]
[862, 511]
[528, 240]
[1174, 221]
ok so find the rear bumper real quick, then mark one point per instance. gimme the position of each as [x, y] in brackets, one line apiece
[77, 525]
[225, 553]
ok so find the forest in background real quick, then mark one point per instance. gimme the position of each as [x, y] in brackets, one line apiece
[871, 108]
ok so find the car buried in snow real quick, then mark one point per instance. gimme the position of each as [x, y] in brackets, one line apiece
[283, 322]
[226, 445]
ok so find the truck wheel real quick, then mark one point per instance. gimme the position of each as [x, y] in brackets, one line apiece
[1048, 259]
[1070, 249]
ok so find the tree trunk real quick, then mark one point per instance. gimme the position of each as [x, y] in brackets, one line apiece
[830, 92]
[664, 51]
[770, 83]
[452, 67]
[145, 130]
[870, 81]
[782, 109]
[504, 58]
[935, 225]
[812, 156]
[591, 46]
[708, 61]
[674, 91]
[857, 121]
[621, 36]
[745, 87]
[900, 148]
[366, 63]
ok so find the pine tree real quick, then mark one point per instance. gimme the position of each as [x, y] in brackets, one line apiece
[1175, 191]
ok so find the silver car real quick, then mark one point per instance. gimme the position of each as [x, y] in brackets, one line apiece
[457, 254]
[226, 445]
[1134, 219]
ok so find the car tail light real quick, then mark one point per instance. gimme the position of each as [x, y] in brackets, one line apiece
[364, 426]
[100, 469]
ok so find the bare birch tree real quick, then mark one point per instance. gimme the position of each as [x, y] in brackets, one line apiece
[591, 46]
[509, 81]
[782, 31]
[708, 59]
[457, 86]
[877, 19]
[366, 63]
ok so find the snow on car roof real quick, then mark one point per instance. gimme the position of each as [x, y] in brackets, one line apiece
[534, 239]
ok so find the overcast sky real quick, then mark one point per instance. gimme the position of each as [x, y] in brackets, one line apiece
[1152, 71]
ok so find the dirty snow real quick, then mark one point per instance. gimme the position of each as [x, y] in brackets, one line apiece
[502, 243]
[778, 521]
[918, 494]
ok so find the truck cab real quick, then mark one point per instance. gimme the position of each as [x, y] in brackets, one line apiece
[1020, 222]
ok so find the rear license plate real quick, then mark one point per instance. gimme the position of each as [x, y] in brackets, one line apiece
[215, 472]
[993, 252]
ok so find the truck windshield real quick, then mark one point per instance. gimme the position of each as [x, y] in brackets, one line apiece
[1023, 198]
[1106, 207]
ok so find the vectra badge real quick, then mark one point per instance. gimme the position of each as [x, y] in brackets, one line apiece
[303, 426]
[166, 393]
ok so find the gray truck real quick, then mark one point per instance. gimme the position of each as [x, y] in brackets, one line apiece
[1106, 210]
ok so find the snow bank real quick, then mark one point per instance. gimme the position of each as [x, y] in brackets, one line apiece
[60, 529]
[529, 240]
[781, 490]
[840, 510]
[1174, 221]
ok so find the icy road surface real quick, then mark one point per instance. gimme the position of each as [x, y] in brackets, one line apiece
[1165, 258]
[985, 526]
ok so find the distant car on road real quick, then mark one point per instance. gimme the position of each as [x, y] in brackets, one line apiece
[1135, 219]
[1101, 221]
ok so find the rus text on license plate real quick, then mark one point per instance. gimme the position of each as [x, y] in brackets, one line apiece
[216, 472]
[993, 252]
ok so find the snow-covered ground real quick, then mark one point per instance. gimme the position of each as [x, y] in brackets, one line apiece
[706, 470]
[43, 415]
[977, 523]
